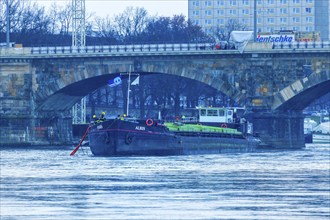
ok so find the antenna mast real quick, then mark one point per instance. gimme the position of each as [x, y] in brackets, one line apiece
[78, 23]
[78, 40]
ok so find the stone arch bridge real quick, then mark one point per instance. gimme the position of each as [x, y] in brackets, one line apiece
[274, 84]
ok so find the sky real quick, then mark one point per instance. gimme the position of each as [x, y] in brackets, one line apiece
[102, 8]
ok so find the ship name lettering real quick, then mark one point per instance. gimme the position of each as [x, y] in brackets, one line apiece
[140, 128]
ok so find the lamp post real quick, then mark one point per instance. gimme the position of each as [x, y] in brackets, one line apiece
[255, 21]
[8, 23]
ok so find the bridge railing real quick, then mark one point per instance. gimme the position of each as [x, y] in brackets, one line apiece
[123, 48]
[302, 45]
[155, 48]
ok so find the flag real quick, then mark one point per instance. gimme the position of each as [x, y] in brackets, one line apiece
[136, 81]
[114, 82]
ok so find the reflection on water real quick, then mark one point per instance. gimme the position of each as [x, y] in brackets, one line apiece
[45, 183]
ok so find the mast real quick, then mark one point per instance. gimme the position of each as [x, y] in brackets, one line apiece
[128, 89]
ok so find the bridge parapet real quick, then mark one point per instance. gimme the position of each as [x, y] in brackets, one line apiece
[159, 49]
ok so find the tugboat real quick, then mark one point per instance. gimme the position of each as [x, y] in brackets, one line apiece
[215, 130]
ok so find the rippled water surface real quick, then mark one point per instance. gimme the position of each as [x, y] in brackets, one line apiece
[46, 183]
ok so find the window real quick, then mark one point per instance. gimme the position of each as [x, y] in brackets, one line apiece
[195, 12]
[283, 11]
[208, 12]
[221, 21]
[245, 2]
[221, 3]
[308, 10]
[270, 11]
[270, 20]
[245, 11]
[283, 20]
[207, 21]
[296, 28]
[196, 3]
[212, 112]
[296, 10]
[309, 1]
[232, 2]
[296, 1]
[208, 3]
[245, 21]
[309, 29]
[309, 19]
[221, 12]
[203, 112]
[221, 112]
[270, 2]
[232, 11]
[283, 2]
[271, 30]
[296, 19]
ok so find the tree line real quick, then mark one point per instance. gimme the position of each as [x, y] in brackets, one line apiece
[33, 25]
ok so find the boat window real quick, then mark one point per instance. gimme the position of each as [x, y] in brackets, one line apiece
[212, 112]
[221, 112]
[203, 112]
[230, 112]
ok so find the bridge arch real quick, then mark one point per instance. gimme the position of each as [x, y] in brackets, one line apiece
[63, 92]
[303, 92]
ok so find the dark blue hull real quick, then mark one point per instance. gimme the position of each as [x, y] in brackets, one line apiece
[122, 138]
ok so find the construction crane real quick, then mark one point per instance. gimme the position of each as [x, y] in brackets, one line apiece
[78, 40]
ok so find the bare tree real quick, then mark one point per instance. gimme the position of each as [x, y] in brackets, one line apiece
[105, 29]
[131, 23]
[222, 33]
[65, 19]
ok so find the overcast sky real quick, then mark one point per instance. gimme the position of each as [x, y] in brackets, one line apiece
[102, 8]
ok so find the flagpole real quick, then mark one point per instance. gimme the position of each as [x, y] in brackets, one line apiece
[128, 88]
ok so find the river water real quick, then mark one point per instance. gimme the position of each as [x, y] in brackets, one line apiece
[46, 183]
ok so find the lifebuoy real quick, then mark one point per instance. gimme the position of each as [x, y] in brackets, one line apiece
[149, 122]
[224, 125]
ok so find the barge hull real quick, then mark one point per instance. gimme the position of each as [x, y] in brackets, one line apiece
[127, 143]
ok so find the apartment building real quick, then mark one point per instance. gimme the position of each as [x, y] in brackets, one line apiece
[272, 15]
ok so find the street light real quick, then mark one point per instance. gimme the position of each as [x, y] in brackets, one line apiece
[255, 21]
[8, 23]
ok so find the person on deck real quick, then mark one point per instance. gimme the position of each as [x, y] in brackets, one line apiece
[95, 119]
[102, 117]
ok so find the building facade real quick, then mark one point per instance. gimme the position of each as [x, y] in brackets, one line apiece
[272, 15]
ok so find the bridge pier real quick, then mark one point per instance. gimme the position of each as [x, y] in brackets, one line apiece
[280, 129]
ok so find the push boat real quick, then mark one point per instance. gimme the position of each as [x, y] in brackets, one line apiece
[214, 130]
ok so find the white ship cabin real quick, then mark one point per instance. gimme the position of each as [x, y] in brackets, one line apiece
[220, 115]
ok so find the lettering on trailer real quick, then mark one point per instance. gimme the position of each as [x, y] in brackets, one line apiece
[275, 38]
